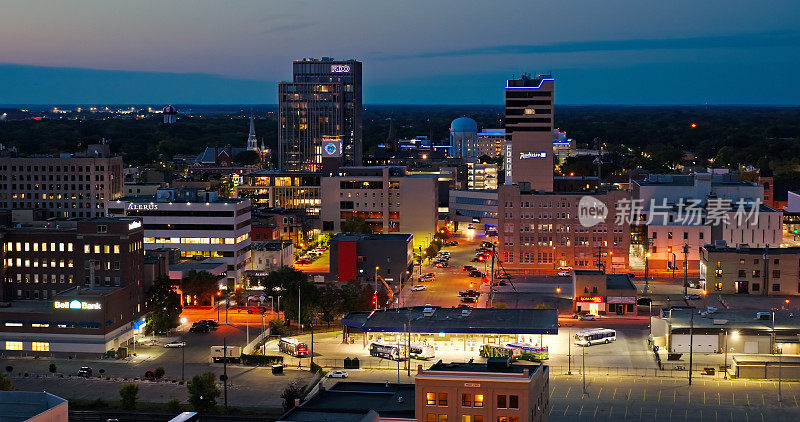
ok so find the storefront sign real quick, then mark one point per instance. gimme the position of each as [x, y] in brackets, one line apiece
[471, 384]
[622, 299]
[340, 68]
[593, 299]
[142, 207]
[76, 304]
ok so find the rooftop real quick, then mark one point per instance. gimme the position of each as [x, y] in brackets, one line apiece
[493, 365]
[434, 319]
[152, 200]
[745, 249]
[366, 237]
[613, 281]
[269, 245]
[26, 405]
[739, 319]
[351, 401]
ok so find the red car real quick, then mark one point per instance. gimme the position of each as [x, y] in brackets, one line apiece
[304, 261]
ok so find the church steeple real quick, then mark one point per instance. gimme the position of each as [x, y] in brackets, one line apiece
[252, 142]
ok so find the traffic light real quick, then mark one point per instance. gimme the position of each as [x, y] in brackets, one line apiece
[374, 299]
[795, 231]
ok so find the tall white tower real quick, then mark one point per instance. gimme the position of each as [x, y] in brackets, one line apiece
[252, 142]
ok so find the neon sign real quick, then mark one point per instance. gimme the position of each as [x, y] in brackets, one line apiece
[142, 207]
[340, 68]
[593, 299]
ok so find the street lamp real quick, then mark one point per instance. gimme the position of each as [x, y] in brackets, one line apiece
[734, 334]
[376, 288]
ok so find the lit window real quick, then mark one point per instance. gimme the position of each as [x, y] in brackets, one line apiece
[96, 248]
[116, 248]
[430, 399]
[40, 325]
[13, 345]
[442, 399]
[69, 247]
[61, 247]
[38, 346]
[14, 324]
[478, 401]
[106, 249]
[86, 248]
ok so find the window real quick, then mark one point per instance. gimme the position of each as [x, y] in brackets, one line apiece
[756, 273]
[430, 417]
[466, 418]
[742, 273]
[776, 261]
[669, 235]
[718, 286]
[102, 228]
[38, 346]
[756, 287]
[502, 418]
[685, 235]
[442, 399]
[776, 287]
[701, 235]
[776, 273]
[718, 272]
[501, 402]
[477, 401]
[466, 400]
[442, 417]
[13, 345]
[513, 402]
[478, 418]
[741, 261]
[430, 399]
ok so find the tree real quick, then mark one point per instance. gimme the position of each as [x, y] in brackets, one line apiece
[292, 392]
[6, 384]
[203, 392]
[164, 305]
[53, 368]
[159, 373]
[202, 285]
[356, 225]
[128, 395]
[247, 157]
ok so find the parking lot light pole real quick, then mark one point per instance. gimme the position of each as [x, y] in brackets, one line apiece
[583, 368]
[183, 362]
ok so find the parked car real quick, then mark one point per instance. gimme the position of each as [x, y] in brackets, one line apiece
[199, 329]
[338, 374]
[256, 310]
[303, 261]
[692, 296]
[451, 243]
[468, 268]
[463, 306]
[418, 288]
[486, 244]
[579, 314]
[588, 317]
[469, 293]
[211, 323]
[469, 299]
[442, 264]
[85, 371]
[475, 273]
[175, 344]
[564, 274]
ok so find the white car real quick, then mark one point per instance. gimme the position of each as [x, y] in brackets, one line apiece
[564, 274]
[418, 288]
[588, 317]
[175, 344]
[338, 374]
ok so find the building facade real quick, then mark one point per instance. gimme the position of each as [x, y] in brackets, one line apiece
[321, 106]
[278, 189]
[529, 131]
[363, 256]
[65, 186]
[390, 200]
[600, 293]
[195, 222]
[540, 231]
[481, 176]
[473, 208]
[754, 271]
[491, 142]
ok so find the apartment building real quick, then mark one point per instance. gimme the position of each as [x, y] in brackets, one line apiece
[543, 230]
[745, 270]
[196, 222]
[389, 199]
[482, 392]
[64, 186]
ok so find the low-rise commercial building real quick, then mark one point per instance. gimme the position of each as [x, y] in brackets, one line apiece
[388, 199]
[493, 391]
[196, 222]
[32, 406]
[448, 329]
[270, 255]
[599, 293]
[363, 256]
[277, 189]
[746, 270]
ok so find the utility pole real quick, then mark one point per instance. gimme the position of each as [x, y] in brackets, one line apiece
[583, 369]
[311, 322]
[726, 355]
[691, 344]
[685, 269]
[183, 362]
[646, 264]
[376, 288]
[491, 279]
[299, 325]
[225, 369]
[569, 351]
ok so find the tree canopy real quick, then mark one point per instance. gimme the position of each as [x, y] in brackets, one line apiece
[164, 305]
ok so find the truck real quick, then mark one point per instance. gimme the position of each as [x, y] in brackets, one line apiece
[218, 353]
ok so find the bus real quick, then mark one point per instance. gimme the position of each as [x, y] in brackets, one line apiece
[388, 351]
[595, 336]
[492, 351]
[292, 346]
[531, 352]
[422, 351]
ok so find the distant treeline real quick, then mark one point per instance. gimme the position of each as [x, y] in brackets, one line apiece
[729, 135]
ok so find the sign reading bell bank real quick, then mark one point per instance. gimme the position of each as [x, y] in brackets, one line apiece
[77, 305]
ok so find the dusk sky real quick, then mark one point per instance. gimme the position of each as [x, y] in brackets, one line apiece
[414, 52]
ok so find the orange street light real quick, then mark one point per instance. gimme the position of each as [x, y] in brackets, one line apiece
[704, 292]
[558, 290]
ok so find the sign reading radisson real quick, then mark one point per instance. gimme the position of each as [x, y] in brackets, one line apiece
[142, 207]
[76, 304]
[527, 155]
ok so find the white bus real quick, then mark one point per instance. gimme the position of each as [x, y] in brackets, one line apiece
[595, 336]
[389, 351]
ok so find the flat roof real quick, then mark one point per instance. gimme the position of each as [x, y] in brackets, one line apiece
[613, 281]
[26, 405]
[152, 200]
[364, 236]
[740, 319]
[456, 320]
[488, 367]
[350, 401]
[792, 250]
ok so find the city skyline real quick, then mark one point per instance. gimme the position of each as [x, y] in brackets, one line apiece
[617, 53]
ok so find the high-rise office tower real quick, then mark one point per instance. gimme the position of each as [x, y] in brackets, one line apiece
[320, 114]
[529, 131]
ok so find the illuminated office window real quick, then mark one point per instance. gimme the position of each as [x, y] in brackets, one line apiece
[39, 346]
[13, 345]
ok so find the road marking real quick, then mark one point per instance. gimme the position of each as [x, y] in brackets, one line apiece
[565, 410]
[690, 396]
[733, 399]
[659, 396]
[670, 413]
[610, 411]
[748, 398]
[568, 390]
[748, 416]
[704, 397]
[626, 413]
[595, 413]
[629, 394]
[763, 402]
[644, 396]
[615, 394]
[581, 411]
[598, 393]
[685, 414]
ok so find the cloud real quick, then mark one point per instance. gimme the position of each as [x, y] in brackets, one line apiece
[789, 38]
